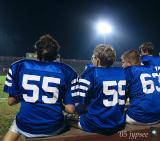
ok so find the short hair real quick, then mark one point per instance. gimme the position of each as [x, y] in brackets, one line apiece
[147, 47]
[47, 48]
[105, 53]
[132, 56]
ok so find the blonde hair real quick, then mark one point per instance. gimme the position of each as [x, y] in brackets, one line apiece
[131, 57]
[105, 53]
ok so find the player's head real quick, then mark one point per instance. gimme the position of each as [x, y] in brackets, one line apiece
[130, 58]
[47, 48]
[146, 48]
[103, 55]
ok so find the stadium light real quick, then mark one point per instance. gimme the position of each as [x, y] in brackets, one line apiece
[104, 28]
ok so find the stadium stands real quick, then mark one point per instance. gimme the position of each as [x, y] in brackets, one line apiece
[78, 65]
[5, 63]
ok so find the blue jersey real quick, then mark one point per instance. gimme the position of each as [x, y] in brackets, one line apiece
[103, 91]
[144, 93]
[88, 66]
[41, 87]
[151, 61]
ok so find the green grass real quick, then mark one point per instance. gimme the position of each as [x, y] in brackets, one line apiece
[2, 80]
[7, 113]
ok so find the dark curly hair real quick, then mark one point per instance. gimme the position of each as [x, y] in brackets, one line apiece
[147, 47]
[47, 48]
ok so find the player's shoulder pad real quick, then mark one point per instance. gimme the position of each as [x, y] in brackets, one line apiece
[19, 62]
[88, 71]
[117, 68]
[135, 69]
[146, 58]
[129, 68]
[66, 68]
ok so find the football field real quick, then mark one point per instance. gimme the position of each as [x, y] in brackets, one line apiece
[7, 113]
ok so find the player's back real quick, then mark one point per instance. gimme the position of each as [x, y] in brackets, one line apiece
[144, 93]
[43, 88]
[148, 60]
[105, 97]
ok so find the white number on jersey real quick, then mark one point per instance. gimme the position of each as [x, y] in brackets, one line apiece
[107, 91]
[35, 88]
[148, 85]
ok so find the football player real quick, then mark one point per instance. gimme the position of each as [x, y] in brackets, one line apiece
[146, 50]
[42, 87]
[88, 66]
[143, 90]
[102, 89]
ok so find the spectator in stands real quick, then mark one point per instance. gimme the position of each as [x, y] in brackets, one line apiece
[146, 50]
[143, 90]
[102, 89]
[42, 87]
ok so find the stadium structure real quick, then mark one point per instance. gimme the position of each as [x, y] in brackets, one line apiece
[78, 65]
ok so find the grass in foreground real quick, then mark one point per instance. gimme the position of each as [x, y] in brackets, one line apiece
[7, 113]
[2, 80]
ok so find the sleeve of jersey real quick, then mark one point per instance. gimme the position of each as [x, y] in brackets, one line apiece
[10, 85]
[71, 93]
[85, 83]
[129, 78]
[128, 74]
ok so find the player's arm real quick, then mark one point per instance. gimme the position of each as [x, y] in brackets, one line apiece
[128, 75]
[69, 108]
[11, 85]
[12, 100]
[70, 93]
[85, 90]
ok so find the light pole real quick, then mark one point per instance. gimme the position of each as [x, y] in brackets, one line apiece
[104, 28]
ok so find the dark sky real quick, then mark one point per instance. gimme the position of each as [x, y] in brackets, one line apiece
[71, 23]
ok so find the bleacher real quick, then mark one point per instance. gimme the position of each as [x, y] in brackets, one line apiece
[77, 65]
[5, 63]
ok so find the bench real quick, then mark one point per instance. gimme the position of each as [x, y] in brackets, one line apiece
[131, 132]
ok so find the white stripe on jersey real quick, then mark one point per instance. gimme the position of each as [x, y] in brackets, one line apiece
[82, 94]
[75, 94]
[8, 83]
[84, 81]
[74, 81]
[79, 94]
[74, 87]
[10, 71]
[8, 77]
[83, 87]
[121, 102]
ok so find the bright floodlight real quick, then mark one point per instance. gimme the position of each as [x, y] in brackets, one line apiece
[104, 28]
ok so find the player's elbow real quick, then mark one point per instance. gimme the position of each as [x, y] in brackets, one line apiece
[69, 108]
[12, 101]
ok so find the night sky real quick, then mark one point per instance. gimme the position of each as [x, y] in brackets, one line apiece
[71, 23]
